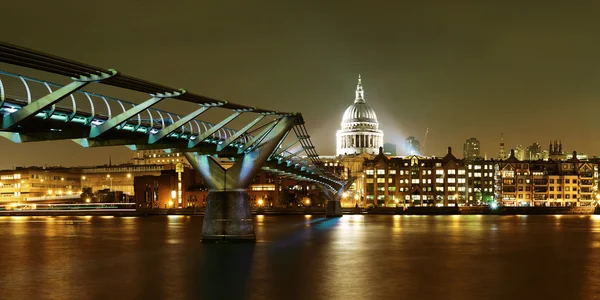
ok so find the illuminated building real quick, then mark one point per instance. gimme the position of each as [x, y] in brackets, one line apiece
[427, 181]
[471, 149]
[571, 182]
[39, 185]
[360, 129]
[412, 146]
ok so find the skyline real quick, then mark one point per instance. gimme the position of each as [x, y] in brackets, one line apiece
[422, 67]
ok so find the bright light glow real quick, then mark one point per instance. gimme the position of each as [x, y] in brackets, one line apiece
[128, 175]
[355, 196]
[107, 175]
[82, 178]
[87, 200]
[173, 194]
[260, 202]
[307, 201]
[345, 194]
[171, 203]
[49, 192]
[494, 205]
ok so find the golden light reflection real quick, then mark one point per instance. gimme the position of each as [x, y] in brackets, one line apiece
[396, 228]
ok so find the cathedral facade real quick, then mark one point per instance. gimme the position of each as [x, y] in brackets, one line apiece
[360, 129]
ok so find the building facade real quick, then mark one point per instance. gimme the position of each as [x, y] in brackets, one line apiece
[360, 129]
[571, 182]
[471, 149]
[427, 181]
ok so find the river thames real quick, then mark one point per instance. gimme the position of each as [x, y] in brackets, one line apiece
[302, 257]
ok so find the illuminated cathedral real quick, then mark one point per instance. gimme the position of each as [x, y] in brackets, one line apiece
[360, 130]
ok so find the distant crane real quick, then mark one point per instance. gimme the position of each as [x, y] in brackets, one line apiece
[424, 142]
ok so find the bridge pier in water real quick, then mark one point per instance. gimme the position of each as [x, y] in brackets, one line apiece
[227, 217]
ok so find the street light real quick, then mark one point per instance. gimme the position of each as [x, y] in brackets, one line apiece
[110, 178]
[260, 202]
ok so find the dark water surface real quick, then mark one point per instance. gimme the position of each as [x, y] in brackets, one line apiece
[303, 257]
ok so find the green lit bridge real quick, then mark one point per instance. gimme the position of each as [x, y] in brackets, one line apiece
[33, 110]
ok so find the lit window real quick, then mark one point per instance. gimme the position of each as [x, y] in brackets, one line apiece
[452, 171]
[369, 172]
[461, 172]
[392, 172]
[415, 181]
[380, 172]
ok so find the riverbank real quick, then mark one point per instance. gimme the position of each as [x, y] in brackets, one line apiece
[472, 210]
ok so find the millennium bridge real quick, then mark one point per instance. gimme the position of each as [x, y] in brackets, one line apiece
[36, 110]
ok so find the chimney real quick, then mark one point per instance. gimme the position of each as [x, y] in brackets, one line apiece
[449, 150]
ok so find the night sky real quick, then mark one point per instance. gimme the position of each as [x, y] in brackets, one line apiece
[528, 69]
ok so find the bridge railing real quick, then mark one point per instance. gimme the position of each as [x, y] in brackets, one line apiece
[86, 107]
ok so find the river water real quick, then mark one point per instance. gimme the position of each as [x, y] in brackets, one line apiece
[303, 257]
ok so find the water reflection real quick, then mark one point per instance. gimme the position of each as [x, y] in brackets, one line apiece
[303, 257]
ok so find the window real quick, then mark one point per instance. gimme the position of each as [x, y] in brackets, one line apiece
[439, 172]
[380, 180]
[567, 189]
[369, 172]
[401, 172]
[567, 180]
[477, 174]
[452, 171]
[390, 180]
[369, 180]
[451, 180]
[460, 180]
[574, 180]
[415, 181]
[477, 167]
[551, 180]
[439, 180]
[392, 172]
[567, 196]
[461, 172]
[380, 171]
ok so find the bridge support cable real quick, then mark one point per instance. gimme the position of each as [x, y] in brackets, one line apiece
[35, 107]
[280, 151]
[257, 139]
[239, 133]
[132, 112]
[154, 138]
[227, 216]
[204, 135]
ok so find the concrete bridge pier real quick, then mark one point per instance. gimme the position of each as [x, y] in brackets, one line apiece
[334, 203]
[227, 217]
[333, 209]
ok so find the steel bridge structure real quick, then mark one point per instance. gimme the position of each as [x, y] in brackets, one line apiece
[34, 110]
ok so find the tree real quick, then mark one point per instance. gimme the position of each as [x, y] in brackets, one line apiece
[87, 195]
[487, 197]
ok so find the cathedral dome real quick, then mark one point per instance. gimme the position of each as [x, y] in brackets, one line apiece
[359, 114]
[360, 130]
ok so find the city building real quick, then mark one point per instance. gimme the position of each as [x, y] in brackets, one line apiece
[427, 181]
[555, 151]
[360, 129]
[569, 182]
[533, 152]
[502, 153]
[471, 149]
[412, 146]
[389, 149]
[519, 152]
[39, 185]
